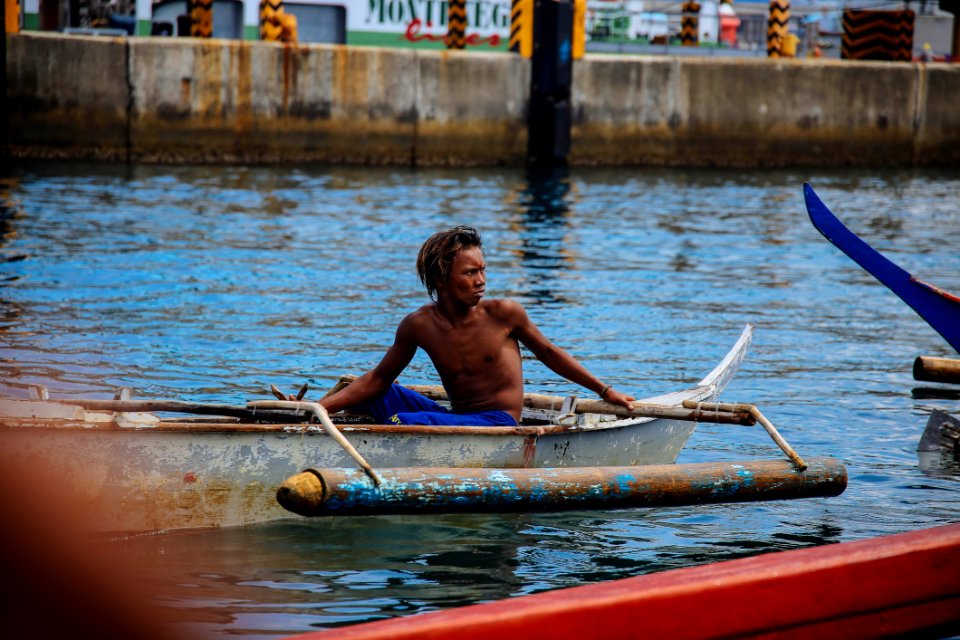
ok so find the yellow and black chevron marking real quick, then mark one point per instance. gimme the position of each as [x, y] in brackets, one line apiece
[275, 24]
[877, 35]
[777, 26]
[521, 27]
[456, 24]
[201, 18]
[12, 13]
[690, 24]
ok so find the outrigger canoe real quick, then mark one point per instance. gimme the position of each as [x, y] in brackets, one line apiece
[939, 308]
[134, 471]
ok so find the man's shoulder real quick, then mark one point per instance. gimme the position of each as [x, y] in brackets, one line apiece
[421, 315]
[503, 307]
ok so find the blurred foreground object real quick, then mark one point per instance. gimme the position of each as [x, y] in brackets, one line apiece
[59, 581]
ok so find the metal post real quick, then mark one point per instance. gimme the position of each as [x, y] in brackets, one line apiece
[521, 27]
[777, 26]
[456, 24]
[201, 18]
[690, 24]
[549, 116]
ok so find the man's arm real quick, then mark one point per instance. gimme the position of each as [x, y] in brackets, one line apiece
[558, 360]
[376, 381]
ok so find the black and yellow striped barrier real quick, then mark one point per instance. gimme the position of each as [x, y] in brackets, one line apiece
[777, 27]
[521, 27]
[275, 24]
[877, 35]
[201, 18]
[456, 24]
[12, 16]
[690, 24]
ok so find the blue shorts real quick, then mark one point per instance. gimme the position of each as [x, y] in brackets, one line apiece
[400, 405]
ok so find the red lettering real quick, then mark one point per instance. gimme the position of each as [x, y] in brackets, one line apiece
[413, 33]
[474, 39]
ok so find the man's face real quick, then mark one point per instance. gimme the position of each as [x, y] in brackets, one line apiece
[468, 278]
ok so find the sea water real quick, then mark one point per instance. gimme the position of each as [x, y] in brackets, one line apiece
[210, 284]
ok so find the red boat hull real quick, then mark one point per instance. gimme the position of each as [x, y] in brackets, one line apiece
[894, 585]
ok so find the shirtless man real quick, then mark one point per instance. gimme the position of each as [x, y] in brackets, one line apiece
[473, 343]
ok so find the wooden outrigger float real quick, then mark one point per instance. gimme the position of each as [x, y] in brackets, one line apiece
[318, 492]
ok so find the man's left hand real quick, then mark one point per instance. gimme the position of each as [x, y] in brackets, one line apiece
[615, 397]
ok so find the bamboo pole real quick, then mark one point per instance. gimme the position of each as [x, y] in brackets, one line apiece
[320, 412]
[930, 369]
[766, 424]
[174, 406]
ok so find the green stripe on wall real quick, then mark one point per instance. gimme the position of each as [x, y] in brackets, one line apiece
[379, 39]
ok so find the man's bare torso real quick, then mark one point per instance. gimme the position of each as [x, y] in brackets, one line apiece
[476, 356]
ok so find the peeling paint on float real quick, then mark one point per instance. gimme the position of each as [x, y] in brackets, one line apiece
[414, 490]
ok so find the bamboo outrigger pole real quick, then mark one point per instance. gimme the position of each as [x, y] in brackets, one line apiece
[321, 414]
[766, 424]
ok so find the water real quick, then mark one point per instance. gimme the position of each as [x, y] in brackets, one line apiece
[211, 283]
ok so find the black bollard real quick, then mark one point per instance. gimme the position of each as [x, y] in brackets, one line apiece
[549, 112]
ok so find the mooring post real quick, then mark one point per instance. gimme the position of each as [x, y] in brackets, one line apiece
[201, 18]
[777, 27]
[551, 77]
[456, 24]
[690, 24]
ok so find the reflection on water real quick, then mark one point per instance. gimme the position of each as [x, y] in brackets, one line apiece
[542, 244]
[211, 283]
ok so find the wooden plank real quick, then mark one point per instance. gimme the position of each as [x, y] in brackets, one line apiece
[894, 585]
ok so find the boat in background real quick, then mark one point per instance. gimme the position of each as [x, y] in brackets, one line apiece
[134, 471]
[939, 308]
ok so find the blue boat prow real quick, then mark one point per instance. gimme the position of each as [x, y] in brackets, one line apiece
[939, 308]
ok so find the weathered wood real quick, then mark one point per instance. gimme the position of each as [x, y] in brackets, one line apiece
[177, 406]
[931, 369]
[766, 424]
[942, 433]
[320, 413]
[446, 490]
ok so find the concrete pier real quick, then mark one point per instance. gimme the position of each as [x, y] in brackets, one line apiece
[192, 100]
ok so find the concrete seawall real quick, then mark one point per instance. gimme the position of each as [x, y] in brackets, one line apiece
[188, 100]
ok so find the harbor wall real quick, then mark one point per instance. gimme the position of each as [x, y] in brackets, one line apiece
[192, 100]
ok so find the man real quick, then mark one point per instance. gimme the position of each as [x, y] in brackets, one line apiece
[473, 343]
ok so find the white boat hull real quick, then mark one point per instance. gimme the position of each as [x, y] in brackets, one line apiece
[185, 475]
